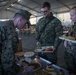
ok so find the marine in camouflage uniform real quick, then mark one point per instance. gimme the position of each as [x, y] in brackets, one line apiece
[8, 47]
[9, 41]
[50, 35]
[70, 52]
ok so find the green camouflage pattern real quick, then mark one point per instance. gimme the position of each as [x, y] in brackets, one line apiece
[50, 36]
[71, 47]
[8, 47]
[70, 61]
[70, 52]
[25, 14]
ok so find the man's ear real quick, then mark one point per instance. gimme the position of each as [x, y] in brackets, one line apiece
[20, 17]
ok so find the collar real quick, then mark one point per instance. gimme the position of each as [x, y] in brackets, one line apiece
[50, 15]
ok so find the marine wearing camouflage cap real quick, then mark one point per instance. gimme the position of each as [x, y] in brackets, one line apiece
[25, 14]
[9, 42]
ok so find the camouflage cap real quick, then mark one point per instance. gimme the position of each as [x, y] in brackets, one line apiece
[25, 14]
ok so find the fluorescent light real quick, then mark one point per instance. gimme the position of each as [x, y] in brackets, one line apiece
[19, 0]
[4, 19]
[7, 8]
[12, 4]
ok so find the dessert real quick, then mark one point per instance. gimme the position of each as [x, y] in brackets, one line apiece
[36, 66]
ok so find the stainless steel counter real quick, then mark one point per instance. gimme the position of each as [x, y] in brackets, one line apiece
[45, 62]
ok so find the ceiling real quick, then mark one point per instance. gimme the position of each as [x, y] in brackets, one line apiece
[33, 6]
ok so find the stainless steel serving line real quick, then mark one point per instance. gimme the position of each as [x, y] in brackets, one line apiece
[45, 62]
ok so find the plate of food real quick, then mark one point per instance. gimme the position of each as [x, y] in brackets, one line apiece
[45, 49]
[36, 66]
[49, 68]
[67, 37]
[49, 49]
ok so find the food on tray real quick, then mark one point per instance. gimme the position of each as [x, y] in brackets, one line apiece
[71, 37]
[49, 68]
[48, 49]
[29, 54]
[45, 49]
[36, 66]
[46, 72]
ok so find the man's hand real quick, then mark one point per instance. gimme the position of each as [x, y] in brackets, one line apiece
[38, 44]
[65, 43]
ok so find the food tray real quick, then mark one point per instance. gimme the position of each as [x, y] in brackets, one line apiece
[67, 39]
[55, 68]
[43, 70]
[42, 49]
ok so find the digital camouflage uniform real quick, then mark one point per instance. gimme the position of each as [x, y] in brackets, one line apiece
[70, 52]
[8, 47]
[50, 35]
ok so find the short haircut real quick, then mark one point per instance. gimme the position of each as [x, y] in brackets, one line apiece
[46, 4]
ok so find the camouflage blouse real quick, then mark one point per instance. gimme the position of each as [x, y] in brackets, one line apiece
[71, 47]
[51, 33]
[8, 43]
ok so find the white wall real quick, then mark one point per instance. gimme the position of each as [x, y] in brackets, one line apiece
[64, 17]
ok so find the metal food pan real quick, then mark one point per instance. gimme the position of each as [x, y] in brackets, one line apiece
[45, 62]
